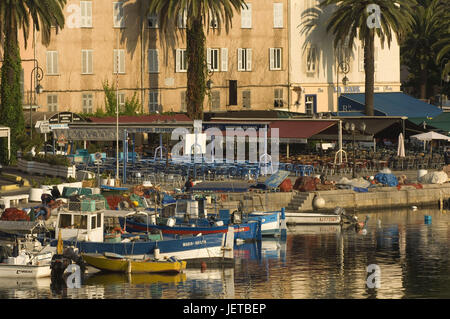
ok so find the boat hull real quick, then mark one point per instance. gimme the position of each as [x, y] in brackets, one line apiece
[312, 219]
[245, 231]
[24, 271]
[270, 222]
[214, 248]
[133, 266]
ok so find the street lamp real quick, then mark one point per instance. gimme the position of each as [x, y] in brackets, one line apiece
[343, 67]
[39, 75]
[351, 127]
[445, 78]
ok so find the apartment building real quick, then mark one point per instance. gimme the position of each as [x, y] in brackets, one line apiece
[263, 63]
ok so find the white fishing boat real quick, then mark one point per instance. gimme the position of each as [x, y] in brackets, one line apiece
[28, 259]
[299, 218]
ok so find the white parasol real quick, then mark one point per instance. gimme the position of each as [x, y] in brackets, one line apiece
[401, 146]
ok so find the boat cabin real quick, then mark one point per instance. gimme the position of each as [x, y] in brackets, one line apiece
[81, 226]
[191, 207]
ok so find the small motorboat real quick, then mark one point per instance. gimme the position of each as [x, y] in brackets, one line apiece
[119, 263]
[27, 259]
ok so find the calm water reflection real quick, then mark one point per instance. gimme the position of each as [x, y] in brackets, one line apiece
[313, 262]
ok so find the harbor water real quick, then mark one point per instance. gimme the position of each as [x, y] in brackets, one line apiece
[400, 254]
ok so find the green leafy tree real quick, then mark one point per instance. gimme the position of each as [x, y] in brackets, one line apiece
[349, 21]
[198, 14]
[131, 106]
[23, 15]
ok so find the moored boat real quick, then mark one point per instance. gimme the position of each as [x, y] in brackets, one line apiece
[85, 231]
[118, 263]
[312, 218]
[27, 259]
[246, 231]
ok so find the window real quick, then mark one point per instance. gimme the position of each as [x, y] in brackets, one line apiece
[182, 19]
[52, 102]
[213, 59]
[152, 21]
[99, 220]
[246, 99]
[275, 59]
[87, 102]
[183, 101]
[215, 100]
[180, 60]
[278, 98]
[93, 223]
[153, 63]
[86, 14]
[80, 221]
[86, 61]
[246, 16]
[278, 15]
[153, 105]
[310, 104]
[118, 19]
[65, 220]
[244, 59]
[119, 61]
[52, 62]
[216, 61]
[224, 59]
[311, 60]
[121, 100]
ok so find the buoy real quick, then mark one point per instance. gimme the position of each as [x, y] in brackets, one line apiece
[414, 207]
[318, 202]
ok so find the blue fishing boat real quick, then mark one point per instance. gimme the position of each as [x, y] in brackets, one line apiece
[272, 223]
[85, 230]
[250, 230]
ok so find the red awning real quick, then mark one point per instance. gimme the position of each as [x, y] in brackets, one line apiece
[300, 128]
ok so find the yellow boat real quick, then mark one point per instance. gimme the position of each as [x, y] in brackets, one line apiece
[118, 263]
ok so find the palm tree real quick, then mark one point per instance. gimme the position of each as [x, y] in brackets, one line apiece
[349, 21]
[198, 14]
[15, 15]
[419, 50]
[444, 44]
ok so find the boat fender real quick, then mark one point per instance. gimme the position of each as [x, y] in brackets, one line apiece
[117, 230]
[172, 259]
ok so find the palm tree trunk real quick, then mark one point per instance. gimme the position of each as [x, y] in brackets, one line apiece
[196, 86]
[11, 112]
[369, 68]
[423, 82]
